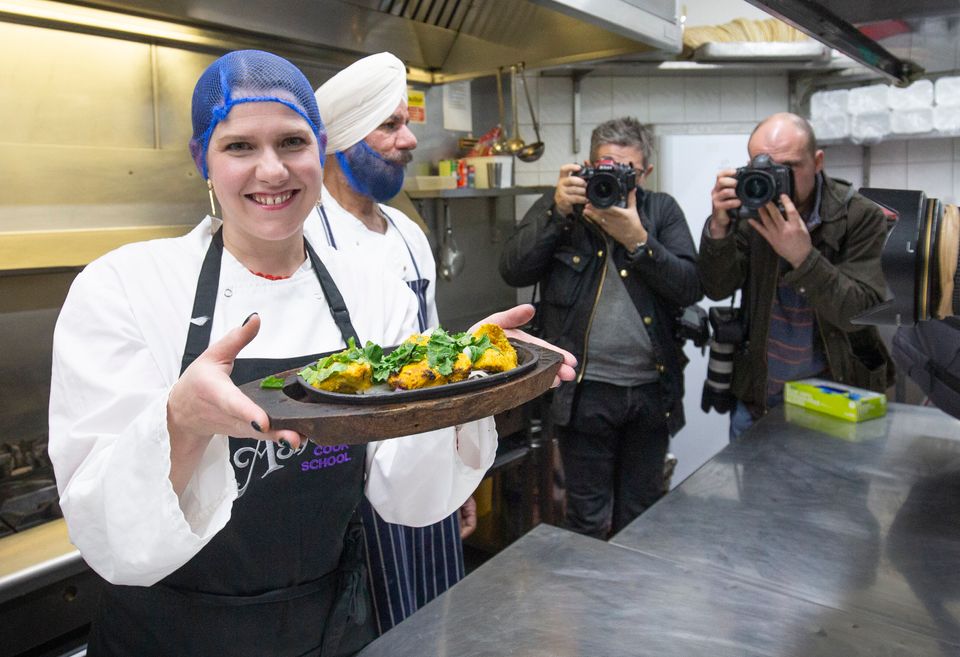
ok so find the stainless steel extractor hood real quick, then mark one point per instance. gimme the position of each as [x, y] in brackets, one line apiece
[901, 40]
[445, 39]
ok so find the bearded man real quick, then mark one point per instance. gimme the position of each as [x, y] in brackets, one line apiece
[364, 108]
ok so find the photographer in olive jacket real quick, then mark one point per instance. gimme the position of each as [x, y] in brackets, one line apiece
[805, 270]
[612, 282]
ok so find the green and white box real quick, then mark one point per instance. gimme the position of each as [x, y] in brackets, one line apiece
[846, 402]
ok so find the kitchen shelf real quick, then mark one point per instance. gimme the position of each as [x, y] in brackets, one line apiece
[472, 192]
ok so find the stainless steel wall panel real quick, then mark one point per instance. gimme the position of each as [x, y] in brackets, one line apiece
[74, 90]
[61, 188]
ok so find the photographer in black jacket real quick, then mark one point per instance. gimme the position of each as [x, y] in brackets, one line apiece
[612, 282]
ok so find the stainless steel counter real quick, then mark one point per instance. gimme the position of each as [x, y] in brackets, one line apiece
[558, 594]
[810, 537]
[855, 517]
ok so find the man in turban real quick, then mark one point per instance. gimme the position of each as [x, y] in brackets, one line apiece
[364, 108]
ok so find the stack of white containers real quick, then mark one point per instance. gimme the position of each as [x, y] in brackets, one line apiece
[869, 114]
[911, 108]
[946, 115]
[865, 115]
[828, 114]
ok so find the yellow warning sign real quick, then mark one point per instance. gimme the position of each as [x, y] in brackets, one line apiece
[417, 104]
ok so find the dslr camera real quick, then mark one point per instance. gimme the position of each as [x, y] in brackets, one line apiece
[608, 183]
[761, 182]
[692, 324]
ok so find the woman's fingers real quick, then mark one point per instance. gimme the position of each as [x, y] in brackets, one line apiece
[567, 371]
[517, 316]
[225, 350]
[508, 319]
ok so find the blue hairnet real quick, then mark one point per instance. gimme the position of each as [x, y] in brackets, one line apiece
[246, 76]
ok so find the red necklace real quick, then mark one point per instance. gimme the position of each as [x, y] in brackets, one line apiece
[269, 277]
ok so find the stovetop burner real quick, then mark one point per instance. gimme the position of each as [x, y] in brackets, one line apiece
[27, 502]
[28, 493]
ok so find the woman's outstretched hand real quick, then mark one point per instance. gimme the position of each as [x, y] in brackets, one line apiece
[204, 402]
[511, 318]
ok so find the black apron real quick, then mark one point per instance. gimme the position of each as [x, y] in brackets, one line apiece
[285, 576]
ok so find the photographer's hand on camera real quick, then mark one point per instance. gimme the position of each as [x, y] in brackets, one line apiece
[571, 189]
[622, 224]
[788, 236]
[724, 200]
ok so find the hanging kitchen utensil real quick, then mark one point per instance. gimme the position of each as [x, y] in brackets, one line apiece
[530, 152]
[515, 143]
[500, 145]
[451, 257]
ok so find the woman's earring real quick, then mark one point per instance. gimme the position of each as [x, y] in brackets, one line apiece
[213, 207]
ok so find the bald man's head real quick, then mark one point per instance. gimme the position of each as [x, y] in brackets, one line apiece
[786, 122]
[789, 139]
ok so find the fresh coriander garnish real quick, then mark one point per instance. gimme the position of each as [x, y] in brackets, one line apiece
[272, 382]
[406, 353]
[441, 352]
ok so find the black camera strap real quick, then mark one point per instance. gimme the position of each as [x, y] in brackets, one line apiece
[535, 325]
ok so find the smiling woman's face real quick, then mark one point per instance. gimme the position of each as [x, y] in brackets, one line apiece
[264, 163]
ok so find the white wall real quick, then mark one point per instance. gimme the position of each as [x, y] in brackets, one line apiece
[671, 104]
[922, 164]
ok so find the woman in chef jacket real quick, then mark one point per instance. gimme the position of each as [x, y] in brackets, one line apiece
[217, 534]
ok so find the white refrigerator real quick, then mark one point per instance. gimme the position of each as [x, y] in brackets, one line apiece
[687, 167]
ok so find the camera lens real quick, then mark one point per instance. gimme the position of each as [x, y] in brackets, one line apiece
[756, 188]
[603, 190]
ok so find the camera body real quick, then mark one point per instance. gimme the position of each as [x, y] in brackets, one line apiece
[692, 324]
[608, 183]
[761, 182]
[727, 325]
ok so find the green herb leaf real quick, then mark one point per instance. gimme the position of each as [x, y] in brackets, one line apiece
[315, 376]
[272, 382]
[476, 349]
[406, 353]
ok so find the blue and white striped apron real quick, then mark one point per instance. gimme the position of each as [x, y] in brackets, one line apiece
[408, 566]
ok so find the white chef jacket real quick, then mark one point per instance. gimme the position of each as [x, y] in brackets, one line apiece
[389, 249]
[117, 351]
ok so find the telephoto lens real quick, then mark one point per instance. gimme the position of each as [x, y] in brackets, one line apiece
[716, 389]
[729, 332]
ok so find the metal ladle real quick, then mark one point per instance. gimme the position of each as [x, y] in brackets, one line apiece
[515, 143]
[499, 147]
[530, 152]
[451, 258]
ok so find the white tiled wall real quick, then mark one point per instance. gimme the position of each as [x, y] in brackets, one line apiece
[713, 104]
[922, 164]
[672, 105]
